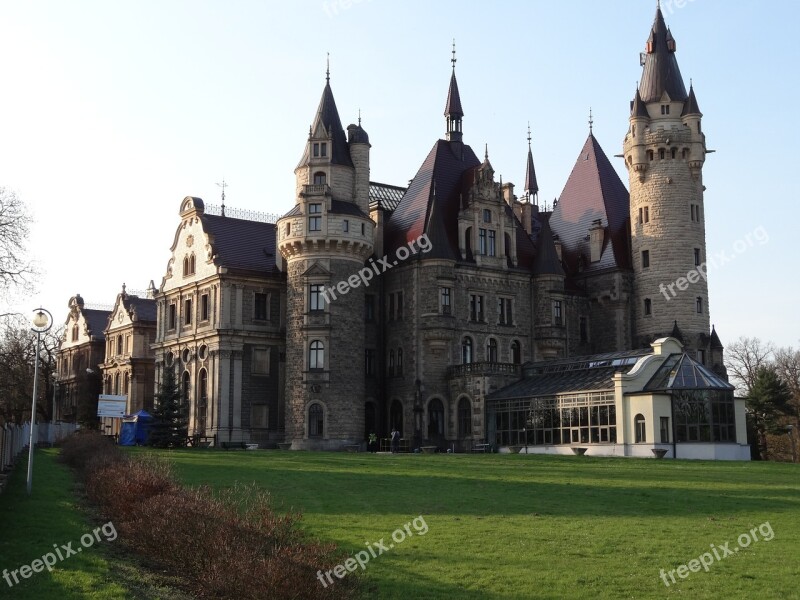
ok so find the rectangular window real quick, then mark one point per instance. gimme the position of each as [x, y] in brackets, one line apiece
[641, 218]
[645, 259]
[444, 300]
[646, 214]
[487, 215]
[369, 308]
[345, 225]
[260, 307]
[699, 305]
[665, 109]
[648, 307]
[482, 241]
[504, 311]
[665, 430]
[128, 343]
[204, 307]
[187, 311]
[259, 414]
[323, 149]
[172, 317]
[697, 257]
[476, 308]
[492, 243]
[399, 306]
[316, 301]
[316, 149]
[260, 364]
[701, 357]
[315, 218]
[369, 362]
[558, 317]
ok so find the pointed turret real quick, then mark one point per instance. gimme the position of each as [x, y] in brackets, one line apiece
[531, 185]
[452, 110]
[715, 343]
[661, 74]
[327, 127]
[691, 107]
[677, 333]
[638, 107]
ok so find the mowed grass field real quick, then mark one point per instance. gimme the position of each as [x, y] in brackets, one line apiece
[499, 526]
[505, 526]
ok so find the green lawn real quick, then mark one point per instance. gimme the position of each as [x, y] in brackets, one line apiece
[503, 526]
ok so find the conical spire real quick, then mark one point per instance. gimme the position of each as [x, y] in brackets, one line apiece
[676, 332]
[690, 107]
[661, 73]
[638, 107]
[328, 124]
[452, 110]
[531, 185]
[716, 344]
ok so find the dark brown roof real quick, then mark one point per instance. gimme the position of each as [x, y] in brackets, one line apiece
[593, 191]
[385, 196]
[661, 73]
[96, 321]
[453, 106]
[638, 107]
[546, 261]
[145, 308]
[690, 107]
[440, 175]
[328, 116]
[341, 207]
[531, 185]
[242, 244]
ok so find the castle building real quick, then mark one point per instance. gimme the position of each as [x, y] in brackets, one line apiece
[128, 369]
[454, 310]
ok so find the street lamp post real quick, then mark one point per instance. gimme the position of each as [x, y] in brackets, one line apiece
[55, 387]
[42, 321]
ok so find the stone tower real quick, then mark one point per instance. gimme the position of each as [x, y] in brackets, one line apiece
[664, 152]
[325, 241]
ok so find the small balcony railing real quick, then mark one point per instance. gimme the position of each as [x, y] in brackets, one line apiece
[318, 189]
[483, 368]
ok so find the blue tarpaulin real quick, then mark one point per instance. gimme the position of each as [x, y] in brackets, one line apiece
[135, 429]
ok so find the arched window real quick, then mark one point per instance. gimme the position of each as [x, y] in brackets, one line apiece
[435, 418]
[466, 350]
[202, 400]
[187, 378]
[639, 428]
[126, 384]
[316, 355]
[119, 344]
[391, 363]
[116, 384]
[649, 155]
[685, 153]
[396, 416]
[191, 264]
[674, 152]
[185, 266]
[464, 418]
[316, 420]
[319, 178]
[468, 241]
[516, 352]
[75, 333]
[399, 361]
[661, 153]
[491, 350]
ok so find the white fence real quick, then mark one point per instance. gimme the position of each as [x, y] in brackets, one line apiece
[14, 439]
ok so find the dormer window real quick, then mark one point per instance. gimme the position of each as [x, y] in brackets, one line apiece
[320, 149]
[320, 178]
[665, 109]
[487, 215]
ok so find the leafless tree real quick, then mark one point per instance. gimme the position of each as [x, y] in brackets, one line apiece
[743, 359]
[787, 364]
[16, 270]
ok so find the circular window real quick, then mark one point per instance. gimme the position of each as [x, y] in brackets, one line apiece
[186, 355]
[202, 352]
[169, 358]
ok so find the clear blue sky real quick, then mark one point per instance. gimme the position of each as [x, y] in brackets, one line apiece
[112, 112]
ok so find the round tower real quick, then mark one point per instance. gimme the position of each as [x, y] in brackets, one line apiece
[325, 241]
[664, 152]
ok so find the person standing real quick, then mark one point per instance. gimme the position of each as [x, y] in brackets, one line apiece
[395, 441]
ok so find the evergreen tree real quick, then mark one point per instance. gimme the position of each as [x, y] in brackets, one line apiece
[170, 423]
[768, 400]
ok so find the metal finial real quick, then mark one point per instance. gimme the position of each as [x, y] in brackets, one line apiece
[486, 151]
[529, 135]
[123, 288]
[359, 117]
[453, 60]
[328, 68]
[591, 120]
[223, 185]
